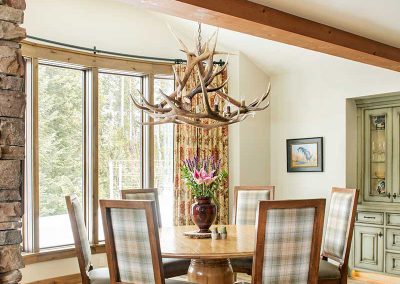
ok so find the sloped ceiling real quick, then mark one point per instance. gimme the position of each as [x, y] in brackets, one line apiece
[377, 20]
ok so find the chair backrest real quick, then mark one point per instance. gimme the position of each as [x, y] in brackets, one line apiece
[246, 200]
[340, 224]
[143, 194]
[82, 245]
[288, 241]
[132, 241]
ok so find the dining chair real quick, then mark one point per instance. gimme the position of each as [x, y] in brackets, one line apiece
[132, 242]
[338, 236]
[246, 200]
[143, 194]
[89, 274]
[172, 266]
[288, 241]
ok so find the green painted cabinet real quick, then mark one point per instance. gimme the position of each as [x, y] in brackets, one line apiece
[376, 241]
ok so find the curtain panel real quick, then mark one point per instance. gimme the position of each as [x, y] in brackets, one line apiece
[190, 141]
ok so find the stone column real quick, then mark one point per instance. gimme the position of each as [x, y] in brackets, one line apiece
[12, 139]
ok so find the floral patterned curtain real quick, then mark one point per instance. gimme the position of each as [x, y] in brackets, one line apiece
[189, 142]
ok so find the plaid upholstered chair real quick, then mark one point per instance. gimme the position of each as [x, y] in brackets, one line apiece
[172, 266]
[288, 241]
[338, 235]
[89, 275]
[132, 242]
[143, 194]
[246, 200]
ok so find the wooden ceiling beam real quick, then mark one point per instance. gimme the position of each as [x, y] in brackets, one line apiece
[261, 21]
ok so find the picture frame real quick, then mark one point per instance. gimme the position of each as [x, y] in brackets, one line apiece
[305, 154]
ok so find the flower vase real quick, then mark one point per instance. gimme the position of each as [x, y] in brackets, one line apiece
[203, 213]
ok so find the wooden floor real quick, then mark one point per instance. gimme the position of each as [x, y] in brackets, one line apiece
[246, 278]
[76, 279]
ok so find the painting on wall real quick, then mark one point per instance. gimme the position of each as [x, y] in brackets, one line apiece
[304, 154]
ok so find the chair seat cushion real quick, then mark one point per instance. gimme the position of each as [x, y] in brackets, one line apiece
[242, 265]
[99, 276]
[175, 267]
[328, 270]
[172, 281]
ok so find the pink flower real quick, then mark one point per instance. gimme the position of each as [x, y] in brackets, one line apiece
[197, 177]
[202, 177]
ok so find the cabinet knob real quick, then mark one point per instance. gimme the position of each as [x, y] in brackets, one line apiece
[388, 195]
[380, 234]
[394, 195]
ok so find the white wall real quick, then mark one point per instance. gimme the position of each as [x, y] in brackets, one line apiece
[56, 268]
[254, 132]
[249, 141]
[313, 103]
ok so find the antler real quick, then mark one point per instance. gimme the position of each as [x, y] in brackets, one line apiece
[173, 108]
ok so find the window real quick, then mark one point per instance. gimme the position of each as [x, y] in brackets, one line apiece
[84, 136]
[61, 95]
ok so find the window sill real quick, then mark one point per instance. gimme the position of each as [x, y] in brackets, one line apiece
[58, 253]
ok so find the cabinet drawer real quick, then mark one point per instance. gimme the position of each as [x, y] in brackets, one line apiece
[370, 217]
[393, 263]
[393, 219]
[393, 239]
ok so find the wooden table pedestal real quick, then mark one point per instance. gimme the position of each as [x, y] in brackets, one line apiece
[210, 259]
[210, 271]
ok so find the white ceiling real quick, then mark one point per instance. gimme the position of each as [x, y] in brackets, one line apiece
[374, 19]
[378, 20]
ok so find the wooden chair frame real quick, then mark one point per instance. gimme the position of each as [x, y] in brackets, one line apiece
[343, 262]
[270, 188]
[264, 206]
[150, 208]
[78, 246]
[145, 190]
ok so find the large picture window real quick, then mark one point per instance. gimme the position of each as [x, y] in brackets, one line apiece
[85, 137]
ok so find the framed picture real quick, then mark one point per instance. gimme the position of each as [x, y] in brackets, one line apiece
[305, 154]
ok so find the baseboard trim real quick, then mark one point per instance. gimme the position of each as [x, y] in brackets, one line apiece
[374, 277]
[67, 279]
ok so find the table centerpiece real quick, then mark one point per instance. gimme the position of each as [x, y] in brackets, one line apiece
[203, 177]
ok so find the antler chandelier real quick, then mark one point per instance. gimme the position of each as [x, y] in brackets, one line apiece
[181, 107]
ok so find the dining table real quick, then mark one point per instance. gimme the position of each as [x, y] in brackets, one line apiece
[210, 258]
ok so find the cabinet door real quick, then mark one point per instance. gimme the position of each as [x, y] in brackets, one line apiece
[396, 154]
[378, 155]
[368, 248]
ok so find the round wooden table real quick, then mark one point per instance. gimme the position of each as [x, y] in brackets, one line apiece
[210, 262]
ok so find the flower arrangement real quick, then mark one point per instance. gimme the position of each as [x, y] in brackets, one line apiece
[203, 176]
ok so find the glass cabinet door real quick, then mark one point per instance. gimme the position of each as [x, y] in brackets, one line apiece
[396, 155]
[378, 155]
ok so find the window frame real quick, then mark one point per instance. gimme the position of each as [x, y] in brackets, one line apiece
[92, 65]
